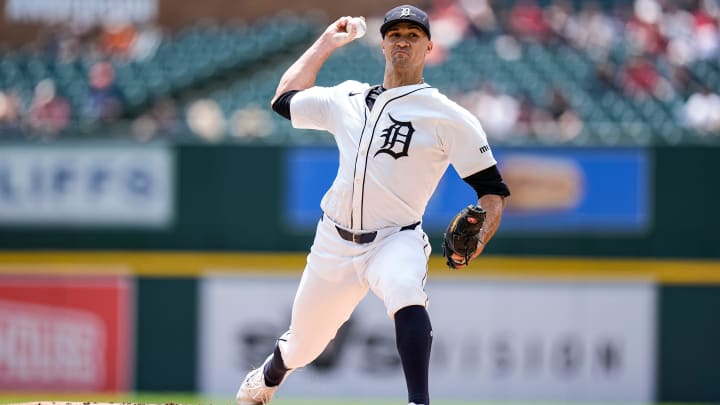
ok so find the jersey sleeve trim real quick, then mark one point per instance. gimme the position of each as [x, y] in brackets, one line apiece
[282, 103]
[488, 181]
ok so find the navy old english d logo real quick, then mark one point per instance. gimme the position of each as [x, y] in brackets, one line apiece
[397, 138]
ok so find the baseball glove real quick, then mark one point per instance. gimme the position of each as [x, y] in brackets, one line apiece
[463, 234]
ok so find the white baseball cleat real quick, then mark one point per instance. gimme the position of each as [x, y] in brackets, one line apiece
[253, 390]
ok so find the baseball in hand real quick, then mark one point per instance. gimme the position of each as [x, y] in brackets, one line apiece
[360, 26]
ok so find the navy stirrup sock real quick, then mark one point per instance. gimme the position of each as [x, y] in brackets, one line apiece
[413, 334]
[275, 370]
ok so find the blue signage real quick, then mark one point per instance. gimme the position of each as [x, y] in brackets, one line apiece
[556, 190]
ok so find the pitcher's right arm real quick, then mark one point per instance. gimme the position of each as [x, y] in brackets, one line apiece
[301, 75]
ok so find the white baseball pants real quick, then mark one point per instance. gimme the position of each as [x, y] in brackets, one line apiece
[338, 275]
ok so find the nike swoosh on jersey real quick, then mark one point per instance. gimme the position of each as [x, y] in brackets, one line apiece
[352, 93]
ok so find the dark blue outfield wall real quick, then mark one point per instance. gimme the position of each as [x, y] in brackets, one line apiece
[625, 202]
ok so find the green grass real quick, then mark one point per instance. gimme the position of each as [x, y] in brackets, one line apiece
[191, 399]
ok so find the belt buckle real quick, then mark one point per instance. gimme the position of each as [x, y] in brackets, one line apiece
[356, 237]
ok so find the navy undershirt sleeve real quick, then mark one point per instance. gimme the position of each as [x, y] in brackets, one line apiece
[488, 181]
[282, 103]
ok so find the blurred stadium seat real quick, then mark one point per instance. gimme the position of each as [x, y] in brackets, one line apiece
[237, 65]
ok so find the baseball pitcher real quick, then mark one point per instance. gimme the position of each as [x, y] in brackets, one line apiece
[395, 142]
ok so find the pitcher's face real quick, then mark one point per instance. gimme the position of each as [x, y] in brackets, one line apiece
[405, 44]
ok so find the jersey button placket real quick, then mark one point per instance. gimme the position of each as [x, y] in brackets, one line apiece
[359, 176]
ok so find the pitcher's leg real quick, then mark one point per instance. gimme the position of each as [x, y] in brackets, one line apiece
[397, 275]
[274, 368]
[413, 334]
[398, 270]
[319, 310]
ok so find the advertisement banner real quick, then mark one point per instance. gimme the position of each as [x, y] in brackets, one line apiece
[66, 333]
[86, 185]
[493, 340]
[559, 190]
[85, 12]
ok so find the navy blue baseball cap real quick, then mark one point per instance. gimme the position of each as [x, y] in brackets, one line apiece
[406, 14]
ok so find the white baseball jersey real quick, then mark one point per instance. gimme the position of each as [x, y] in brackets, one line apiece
[391, 160]
[393, 156]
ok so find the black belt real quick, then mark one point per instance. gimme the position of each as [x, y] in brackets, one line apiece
[367, 237]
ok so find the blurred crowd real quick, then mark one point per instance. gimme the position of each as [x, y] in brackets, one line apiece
[101, 104]
[658, 40]
[641, 50]
[504, 115]
[47, 111]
